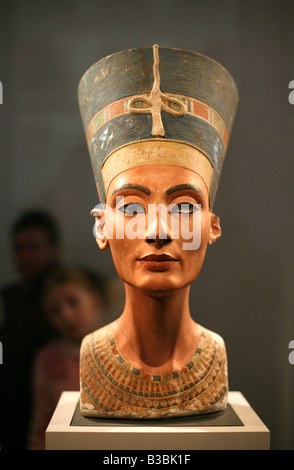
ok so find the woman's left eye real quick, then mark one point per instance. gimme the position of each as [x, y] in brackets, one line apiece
[184, 208]
[132, 208]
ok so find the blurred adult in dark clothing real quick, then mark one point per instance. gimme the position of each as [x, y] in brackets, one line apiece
[36, 250]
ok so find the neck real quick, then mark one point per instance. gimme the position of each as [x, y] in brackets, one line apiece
[155, 331]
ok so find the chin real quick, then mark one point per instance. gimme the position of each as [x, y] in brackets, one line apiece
[157, 283]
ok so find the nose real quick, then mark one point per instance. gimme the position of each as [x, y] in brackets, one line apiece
[158, 230]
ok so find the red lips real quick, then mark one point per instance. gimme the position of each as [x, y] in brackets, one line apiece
[158, 262]
[162, 257]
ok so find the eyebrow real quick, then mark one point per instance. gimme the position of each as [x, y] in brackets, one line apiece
[181, 187]
[137, 187]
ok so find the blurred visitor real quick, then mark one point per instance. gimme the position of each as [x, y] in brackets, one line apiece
[74, 301]
[36, 252]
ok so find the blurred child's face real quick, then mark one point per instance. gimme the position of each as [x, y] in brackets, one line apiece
[73, 311]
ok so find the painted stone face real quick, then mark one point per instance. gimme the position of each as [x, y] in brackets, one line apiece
[157, 123]
[170, 205]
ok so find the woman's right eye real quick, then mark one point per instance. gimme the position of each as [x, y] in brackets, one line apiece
[132, 208]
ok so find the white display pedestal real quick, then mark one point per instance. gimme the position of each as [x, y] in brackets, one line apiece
[238, 428]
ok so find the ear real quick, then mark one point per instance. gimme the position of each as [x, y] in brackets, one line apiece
[215, 229]
[99, 229]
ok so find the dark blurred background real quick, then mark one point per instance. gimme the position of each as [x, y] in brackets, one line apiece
[245, 291]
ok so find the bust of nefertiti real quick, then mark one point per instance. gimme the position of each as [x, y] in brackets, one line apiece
[157, 122]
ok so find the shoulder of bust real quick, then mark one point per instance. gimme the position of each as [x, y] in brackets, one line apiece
[212, 336]
[96, 336]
